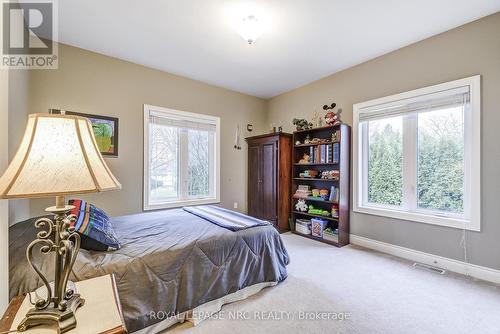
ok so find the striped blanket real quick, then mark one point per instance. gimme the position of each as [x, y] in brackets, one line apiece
[228, 219]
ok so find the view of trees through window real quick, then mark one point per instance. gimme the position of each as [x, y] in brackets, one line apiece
[441, 160]
[164, 162]
[198, 163]
[385, 161]
[169, 151]
[440, 156]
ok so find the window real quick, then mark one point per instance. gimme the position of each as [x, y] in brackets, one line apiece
[181, 160]
[417, 155]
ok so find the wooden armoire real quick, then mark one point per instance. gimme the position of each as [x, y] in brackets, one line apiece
[269, 178]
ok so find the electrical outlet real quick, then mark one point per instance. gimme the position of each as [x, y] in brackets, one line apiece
[235, 205]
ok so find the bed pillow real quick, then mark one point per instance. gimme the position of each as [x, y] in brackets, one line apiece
[94, 227]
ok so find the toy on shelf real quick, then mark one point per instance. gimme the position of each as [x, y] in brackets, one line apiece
[303, 191]
[309, 173]
[334, 194]
[315, 193]
[302, 124]
[320, 212]
[330, 174]
[323, 193]
[331, 234]
[317, 227]
[332, 117]
[336, 136]
[316, 140]
[305, 159]
[301, 205]
[335, 210]
[297, 143]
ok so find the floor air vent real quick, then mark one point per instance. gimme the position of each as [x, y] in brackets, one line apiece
[429, 268]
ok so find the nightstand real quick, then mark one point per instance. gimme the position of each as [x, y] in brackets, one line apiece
[101, 313]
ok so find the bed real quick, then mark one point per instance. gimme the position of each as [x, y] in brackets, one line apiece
[171, 263]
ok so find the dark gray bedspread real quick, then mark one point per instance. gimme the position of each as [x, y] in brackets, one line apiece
[171, 261]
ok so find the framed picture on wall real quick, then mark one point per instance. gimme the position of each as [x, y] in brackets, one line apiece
[105, 130]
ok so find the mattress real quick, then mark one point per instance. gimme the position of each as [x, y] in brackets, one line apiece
[171, 261]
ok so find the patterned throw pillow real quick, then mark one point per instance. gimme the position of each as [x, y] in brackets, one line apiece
[94, 227]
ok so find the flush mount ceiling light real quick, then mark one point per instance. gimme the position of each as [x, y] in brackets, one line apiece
[250, 28]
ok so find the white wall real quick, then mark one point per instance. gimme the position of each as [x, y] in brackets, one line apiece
[4, 211]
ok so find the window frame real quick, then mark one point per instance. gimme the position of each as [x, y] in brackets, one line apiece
[147, 205]
[472, 161]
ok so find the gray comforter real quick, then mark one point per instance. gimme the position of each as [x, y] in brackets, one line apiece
[171, 261]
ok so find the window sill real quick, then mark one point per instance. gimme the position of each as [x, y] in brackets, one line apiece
[421, 218]
[180, 204]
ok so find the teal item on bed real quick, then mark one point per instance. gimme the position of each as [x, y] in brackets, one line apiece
[228, 219]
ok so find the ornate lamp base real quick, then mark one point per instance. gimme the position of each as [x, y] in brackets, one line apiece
[64, 321]
[59, 305]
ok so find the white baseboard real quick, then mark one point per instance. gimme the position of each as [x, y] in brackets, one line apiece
[484, 273]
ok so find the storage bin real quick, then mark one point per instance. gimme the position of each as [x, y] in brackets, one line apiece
[303, 226]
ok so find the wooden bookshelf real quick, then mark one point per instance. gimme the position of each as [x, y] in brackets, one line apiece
[342, 183]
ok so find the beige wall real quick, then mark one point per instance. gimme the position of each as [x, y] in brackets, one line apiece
[19, 209]
[462, 52]
[97, 84]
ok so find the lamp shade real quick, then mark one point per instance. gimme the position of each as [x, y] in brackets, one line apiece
[58, 156]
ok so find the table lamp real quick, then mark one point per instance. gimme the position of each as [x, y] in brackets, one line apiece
[58, 156]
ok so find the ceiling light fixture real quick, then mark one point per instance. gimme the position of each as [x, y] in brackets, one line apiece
[250, 28]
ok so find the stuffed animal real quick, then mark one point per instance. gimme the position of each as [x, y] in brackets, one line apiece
[305, 159]
[330, 174]
[314, 211]
[332, 117]
[335, 210]
[301, 205]
[302, 124]
[323, 193]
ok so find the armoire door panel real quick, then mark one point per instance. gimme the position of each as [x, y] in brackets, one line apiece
[254, 197]
[268, 181]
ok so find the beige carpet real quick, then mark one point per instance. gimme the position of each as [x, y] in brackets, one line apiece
[382, 294]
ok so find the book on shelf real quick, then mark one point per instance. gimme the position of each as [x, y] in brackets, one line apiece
[336, 153]
[321, 153]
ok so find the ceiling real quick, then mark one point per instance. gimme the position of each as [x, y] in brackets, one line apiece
[305, 39]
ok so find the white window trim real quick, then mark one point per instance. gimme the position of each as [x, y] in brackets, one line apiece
[178, 203]
[472, 157]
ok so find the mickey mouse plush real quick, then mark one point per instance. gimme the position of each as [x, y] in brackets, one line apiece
[332, 117]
